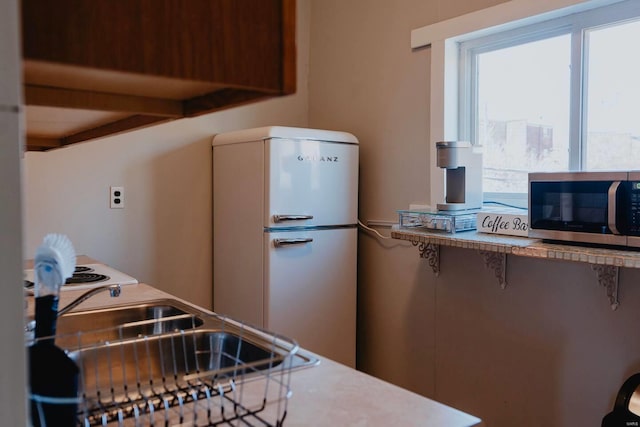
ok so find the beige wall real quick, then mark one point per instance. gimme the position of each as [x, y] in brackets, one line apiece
[546, 351]
[163, 235]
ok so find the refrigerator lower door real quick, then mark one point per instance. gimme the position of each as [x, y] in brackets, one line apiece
[310, 289]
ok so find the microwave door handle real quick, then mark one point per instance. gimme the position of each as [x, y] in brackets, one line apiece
[611, 217]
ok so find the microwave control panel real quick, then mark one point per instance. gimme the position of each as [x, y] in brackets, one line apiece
[634, 208]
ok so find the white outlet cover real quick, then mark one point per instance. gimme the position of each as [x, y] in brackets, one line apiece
[116, 195]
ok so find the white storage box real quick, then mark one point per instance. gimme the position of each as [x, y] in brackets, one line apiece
[511, 222]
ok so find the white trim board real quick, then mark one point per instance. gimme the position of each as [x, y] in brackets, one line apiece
[501, 17]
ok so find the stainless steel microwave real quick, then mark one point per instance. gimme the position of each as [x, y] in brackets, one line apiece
[586, 207]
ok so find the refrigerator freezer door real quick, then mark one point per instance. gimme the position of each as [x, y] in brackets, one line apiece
[310, 284]
[310, 183]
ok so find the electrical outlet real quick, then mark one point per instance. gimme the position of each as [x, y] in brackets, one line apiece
[117, 197]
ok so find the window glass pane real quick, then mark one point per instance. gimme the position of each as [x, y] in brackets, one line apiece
[613, 95]
[523, 111]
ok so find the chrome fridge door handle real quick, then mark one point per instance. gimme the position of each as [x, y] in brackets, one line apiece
[278, 243]
[280, 218]
[611, 201]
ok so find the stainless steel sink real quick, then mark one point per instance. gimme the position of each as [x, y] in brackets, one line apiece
[169, 359]
[121, 322]
[166, 357]
[94, 332]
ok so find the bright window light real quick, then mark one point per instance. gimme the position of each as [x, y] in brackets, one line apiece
[523, 111]
[613, 92]
[554, 96]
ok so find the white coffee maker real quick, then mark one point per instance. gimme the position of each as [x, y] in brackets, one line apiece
[463, 181]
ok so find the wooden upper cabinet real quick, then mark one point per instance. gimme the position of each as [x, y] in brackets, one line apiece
[98, 67]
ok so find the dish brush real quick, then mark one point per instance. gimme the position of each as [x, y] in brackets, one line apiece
[55, 262]
[53, 376]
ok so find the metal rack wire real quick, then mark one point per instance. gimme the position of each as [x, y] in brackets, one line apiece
[216, 373]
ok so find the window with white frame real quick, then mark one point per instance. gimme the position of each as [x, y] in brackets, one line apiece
[557, 75]
[562, 94]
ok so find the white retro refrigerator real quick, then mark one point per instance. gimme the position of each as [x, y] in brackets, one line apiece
[285, 234]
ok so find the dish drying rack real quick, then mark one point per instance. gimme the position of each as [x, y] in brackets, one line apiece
[232, 374]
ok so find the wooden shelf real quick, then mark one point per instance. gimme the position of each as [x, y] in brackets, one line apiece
[494, 249]
[109, 66]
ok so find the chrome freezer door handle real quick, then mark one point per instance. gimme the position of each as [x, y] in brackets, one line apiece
[280, 218]
[279, 243]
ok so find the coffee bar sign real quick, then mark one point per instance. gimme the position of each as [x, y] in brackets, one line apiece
[511, 224]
